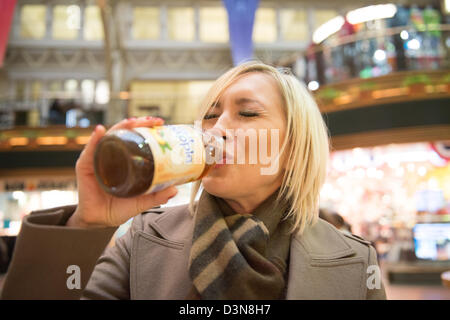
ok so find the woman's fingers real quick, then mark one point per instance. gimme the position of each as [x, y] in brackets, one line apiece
[148, 201]
[137, 122]
[86, 159]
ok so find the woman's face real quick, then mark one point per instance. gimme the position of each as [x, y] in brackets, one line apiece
[251, 102]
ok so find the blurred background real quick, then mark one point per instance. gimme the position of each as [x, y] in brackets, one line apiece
[380, 72]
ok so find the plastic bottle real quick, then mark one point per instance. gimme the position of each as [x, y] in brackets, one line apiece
[132, 162]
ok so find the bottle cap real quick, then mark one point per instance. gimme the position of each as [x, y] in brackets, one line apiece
[214, 147]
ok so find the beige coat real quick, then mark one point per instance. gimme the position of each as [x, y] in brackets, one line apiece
[151, 260]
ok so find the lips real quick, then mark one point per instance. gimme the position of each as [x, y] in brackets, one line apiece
[226, 159]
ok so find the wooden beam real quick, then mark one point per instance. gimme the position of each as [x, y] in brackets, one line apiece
[384, 137]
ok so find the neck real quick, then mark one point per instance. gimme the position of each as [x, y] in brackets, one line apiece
[248, 204]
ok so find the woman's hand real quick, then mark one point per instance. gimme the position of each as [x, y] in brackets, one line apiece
[96, 208]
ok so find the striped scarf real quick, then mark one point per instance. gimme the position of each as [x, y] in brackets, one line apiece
[238, 256]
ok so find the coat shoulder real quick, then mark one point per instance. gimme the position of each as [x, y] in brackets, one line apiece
[168, 222]
[154, 213]
[359, 239]
[323, 240]
[362, 246]
[330, 265]
[349, 237]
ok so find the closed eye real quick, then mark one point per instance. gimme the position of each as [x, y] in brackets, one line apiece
[248, 114]
[210, 116]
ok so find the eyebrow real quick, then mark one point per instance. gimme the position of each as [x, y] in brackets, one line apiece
[239, 101]
[215, 104]
[242, 101]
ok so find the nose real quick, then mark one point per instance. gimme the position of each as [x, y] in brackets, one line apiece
[218, 131]
[221, 125]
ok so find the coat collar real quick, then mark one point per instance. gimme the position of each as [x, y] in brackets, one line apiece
[320, 241]
[323, 265]
[316, 259]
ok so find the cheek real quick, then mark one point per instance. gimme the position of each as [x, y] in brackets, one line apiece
[232, 179]
[243, 178]
[238, 178]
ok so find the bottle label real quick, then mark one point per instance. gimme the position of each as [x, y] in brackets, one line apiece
[178, 154]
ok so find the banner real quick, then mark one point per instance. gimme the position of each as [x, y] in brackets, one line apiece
[241, 17]
[6, 17]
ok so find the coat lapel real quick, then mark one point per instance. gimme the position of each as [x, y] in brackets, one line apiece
[323, 265]
[160, 256]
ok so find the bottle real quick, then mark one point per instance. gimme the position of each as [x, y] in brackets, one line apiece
[129, 163]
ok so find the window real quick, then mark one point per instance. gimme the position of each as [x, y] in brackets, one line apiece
[55, 86]
[93, 28]
[294, 25]
[20, 89]
[322, 16]
[176, 101]
[265, 28]
[213, 24]
[71, 86]
[181, 24]
[36, 90]
[88, 91]
[32, 21]
[66, 22]
[146, 24]
[102, 92]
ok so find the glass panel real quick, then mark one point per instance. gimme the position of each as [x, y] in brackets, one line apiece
[93, 28]
[71, 85]
[32, 21]
[66, 22]
[102, 92]
[213, 25]
[181, 24]
[176, 101]
[54, 86]
[146, 23]
[20, 89]
[294, 25]
[265, 29]
[322, 16]
[36, 90]
[88, 91]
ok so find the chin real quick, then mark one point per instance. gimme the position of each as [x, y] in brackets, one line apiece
[218, 187]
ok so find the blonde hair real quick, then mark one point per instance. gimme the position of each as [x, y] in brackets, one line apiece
[308, 148]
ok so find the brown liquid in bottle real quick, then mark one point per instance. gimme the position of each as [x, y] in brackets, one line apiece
[124, 164]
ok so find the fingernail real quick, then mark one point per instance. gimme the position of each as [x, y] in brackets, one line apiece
[176, 192]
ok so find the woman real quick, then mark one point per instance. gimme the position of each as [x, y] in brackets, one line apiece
[249, 236]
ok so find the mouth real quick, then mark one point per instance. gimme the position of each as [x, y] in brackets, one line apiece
[226, 159]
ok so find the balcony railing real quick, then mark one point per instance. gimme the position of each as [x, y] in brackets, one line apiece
[71, 109]
[378, 52]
